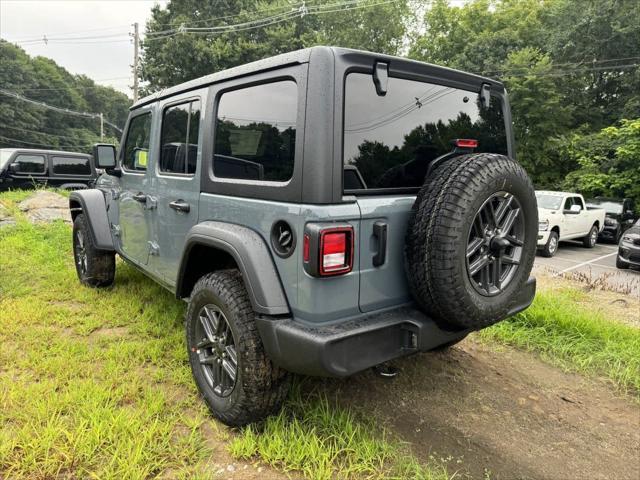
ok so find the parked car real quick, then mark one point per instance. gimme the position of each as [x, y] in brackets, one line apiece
[629, 248]
[297, 250]
[619, 216]
[564, 216]
[28, 168]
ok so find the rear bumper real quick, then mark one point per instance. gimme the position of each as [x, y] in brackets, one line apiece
[342, 349]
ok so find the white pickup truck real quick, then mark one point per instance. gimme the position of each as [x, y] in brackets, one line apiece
[564, 216]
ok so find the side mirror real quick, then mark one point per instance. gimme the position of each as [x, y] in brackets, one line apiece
[574, 210]
[13, 168]
[629, 213]
[104, 155]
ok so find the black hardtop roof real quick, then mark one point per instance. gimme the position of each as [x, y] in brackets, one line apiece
[299, 57]
[44, 151]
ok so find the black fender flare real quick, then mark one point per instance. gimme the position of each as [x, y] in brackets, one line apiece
[91, 203]
[252, 256]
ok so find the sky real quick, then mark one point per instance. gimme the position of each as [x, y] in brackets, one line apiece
[106, 60]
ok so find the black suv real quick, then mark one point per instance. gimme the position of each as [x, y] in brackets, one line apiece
[619, 216]
[27, 168]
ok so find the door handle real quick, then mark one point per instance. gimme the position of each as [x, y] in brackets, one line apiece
[380, 232]
[140, 197]
[180, 206]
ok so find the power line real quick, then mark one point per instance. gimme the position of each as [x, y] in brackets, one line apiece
[564, 73]
[586, 63]
[57, 109]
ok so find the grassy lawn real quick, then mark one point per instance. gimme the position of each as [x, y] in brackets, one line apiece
[572, 329]
[96, 383]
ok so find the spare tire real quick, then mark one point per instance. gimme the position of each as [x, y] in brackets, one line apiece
[472, 240]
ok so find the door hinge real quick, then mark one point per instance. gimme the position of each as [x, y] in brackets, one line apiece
[154, 248]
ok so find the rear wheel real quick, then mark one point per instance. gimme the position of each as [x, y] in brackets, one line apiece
[231, 369]
[471, 246]
[95, 268]
[590, 240]
[551, 247]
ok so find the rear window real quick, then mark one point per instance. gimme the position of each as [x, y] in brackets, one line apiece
[71, 165]
[255, 133]
[391, 140]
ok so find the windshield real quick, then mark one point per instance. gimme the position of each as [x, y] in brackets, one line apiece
[608, 206]
[550, 202]
[5, 155]
[390, 140]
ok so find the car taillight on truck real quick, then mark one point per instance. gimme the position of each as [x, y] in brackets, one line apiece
[328, 249]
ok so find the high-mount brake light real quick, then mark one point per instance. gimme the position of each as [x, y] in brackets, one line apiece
[328, 249]
[466, 143]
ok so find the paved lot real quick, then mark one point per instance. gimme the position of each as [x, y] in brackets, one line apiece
[598, 264]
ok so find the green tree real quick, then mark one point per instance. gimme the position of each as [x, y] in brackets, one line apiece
[608, 160]
[539, 112]
[170, 57]
[26, 125]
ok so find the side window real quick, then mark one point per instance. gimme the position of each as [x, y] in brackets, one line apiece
[136, 146]
[179, 139]
[30, 163]
[568, 202]
[578, 201]
[255, 133]
[71, 165]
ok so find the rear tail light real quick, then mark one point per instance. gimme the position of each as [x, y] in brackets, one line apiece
[328, 249]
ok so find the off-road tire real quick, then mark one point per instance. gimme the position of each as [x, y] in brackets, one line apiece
[621, 264]
[95, 268]
[260, 386]
[436, 243]
[548, 251]
[591, 239]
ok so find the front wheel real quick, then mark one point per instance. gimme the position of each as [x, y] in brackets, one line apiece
[239, 383]
[95, 268]
[551, 247]
[590, 240]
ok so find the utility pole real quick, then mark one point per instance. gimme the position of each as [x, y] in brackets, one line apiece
[101, 127]
[136, 42]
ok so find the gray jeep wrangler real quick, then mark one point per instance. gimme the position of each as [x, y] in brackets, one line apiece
[322, 212]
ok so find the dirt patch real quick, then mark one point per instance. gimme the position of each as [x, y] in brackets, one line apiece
[506, 413]
[45, 206]
[222, 465]
[110, 332]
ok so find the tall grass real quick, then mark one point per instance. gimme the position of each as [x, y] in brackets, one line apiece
[313, 436]
[575, 337]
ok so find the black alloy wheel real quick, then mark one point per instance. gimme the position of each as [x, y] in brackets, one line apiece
[494, 246]
[217, 350]
[80, 251]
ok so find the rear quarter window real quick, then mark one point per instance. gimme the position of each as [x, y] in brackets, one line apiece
[255, 132]
[391, 139]
[71, 165]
